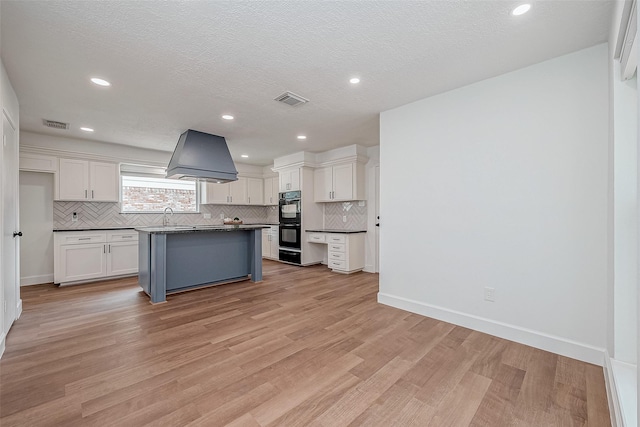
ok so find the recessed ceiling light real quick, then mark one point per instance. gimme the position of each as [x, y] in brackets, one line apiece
[301, 137]
[246, 156]
[354, 81]
[227, 117]
[521, 10]
[100, 82]
[86, 129]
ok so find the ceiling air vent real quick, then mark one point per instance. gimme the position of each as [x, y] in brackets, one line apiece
[292, 99]
[55, 125]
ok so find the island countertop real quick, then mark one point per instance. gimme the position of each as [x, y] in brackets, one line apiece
[198, 228]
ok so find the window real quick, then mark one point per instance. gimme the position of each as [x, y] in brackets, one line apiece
[149, 191]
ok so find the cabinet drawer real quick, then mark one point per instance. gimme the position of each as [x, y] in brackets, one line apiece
[74, 239]
[337, 255]
[131, 236]
[336, 238]
[336, 247]
[338, 265]
[316, 238]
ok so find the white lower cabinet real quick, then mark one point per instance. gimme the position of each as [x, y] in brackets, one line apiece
[270, 238]
[345, 252]
[81, 256]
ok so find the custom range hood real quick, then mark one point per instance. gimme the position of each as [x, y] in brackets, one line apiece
[202, 156]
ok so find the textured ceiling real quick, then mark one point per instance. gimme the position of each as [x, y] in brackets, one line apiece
[182, 64]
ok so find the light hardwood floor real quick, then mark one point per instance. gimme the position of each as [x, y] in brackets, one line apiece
[306, 347]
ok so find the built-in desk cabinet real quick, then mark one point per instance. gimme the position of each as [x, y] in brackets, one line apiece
[83, 180]
[93, 255]
[345, 252]
[339, 183]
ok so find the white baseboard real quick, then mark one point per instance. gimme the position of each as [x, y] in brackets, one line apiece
[554, 344]
[1, 344]
[615, 410]
[36, 280]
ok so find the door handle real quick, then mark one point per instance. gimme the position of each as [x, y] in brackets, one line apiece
[17, 233]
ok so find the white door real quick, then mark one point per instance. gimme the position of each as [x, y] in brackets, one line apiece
[238, 191]
[322, 184]
[343, 182]
[215, 193]
[255, 191]
[83, 262]
[122, 258]
[73, 180]
[377, 202]
[10, 212]
[103, 178]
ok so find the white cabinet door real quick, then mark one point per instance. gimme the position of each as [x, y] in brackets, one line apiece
[73, 180]
[238, 192]
[215, 193]
[343, 182]
[82, 262]
[255, 192]
[104, 182]
[275, 235]
[122, 258]
[266, 243]
[323, 184]
[270, 198]
[290, 180]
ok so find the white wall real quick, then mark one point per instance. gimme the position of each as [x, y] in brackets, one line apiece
[503, 184]
[36, 224]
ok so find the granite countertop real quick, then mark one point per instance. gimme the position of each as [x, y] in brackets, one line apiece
[55, 230]
[328, 230]
[198, 228]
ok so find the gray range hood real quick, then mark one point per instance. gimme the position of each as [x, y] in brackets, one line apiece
[202, 156]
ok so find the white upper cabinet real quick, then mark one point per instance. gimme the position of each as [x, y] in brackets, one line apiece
[255, 191]
[238, 192]
[87, 181]
[231, 193]
[271, 190]
[103, 182]
[337, 183]
[290, 180]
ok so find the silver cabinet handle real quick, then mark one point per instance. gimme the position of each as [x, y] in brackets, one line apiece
[92, 196]
[109, 248]
[85, 194]
[84, 238]
[126, 237]
[249, 199]
[104, 249]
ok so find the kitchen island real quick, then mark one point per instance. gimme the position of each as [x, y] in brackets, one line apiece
[180, 258]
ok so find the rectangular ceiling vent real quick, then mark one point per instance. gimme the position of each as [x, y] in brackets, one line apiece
[292, 99]
[55, 125]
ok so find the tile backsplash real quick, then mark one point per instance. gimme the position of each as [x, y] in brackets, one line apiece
[356, 216]
[96, 215]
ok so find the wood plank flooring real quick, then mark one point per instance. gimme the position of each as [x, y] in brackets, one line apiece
[306, 347]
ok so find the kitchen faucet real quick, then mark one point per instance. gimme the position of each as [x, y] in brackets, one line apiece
[164, 216]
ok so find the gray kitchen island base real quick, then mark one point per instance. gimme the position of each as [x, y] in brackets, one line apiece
[177, 259]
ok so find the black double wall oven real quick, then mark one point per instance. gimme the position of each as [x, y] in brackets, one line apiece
[290, 216]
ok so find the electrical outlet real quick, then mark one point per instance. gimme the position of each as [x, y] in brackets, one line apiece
[489, 294]
[361, 203]
[207, 216]
[74, 217]
[344, 218]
